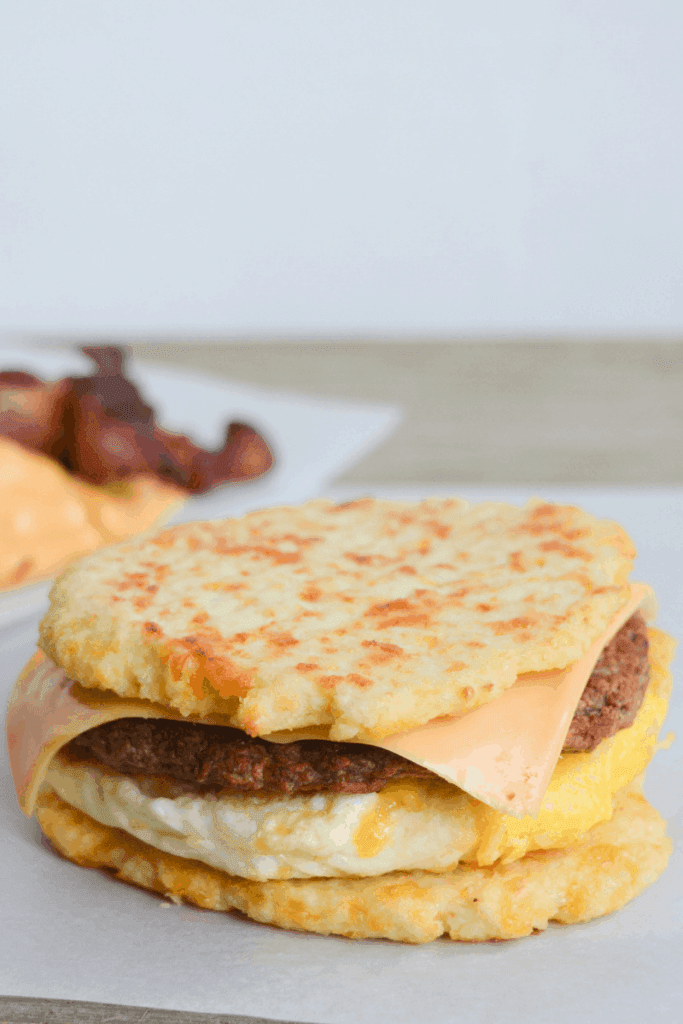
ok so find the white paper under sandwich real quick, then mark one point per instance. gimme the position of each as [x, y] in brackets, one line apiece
[503, 753]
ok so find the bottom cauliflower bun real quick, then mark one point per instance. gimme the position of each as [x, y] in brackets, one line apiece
[611, 865]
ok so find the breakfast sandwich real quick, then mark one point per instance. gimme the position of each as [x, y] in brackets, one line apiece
[374, 719]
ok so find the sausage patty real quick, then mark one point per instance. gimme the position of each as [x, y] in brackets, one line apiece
[615, 690]
[207, 757]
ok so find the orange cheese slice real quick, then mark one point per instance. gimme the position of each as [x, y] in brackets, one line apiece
[46, 710]
[503, 753]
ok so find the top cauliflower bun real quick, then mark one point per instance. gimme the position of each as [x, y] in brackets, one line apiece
[362, 619]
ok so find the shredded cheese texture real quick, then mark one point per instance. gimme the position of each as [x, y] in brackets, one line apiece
[367, 619]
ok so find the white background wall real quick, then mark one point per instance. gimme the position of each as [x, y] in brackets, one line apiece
[304, 167]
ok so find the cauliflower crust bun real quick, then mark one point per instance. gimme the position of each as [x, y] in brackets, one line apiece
[612, 864]
[367, 618]
[214, 711]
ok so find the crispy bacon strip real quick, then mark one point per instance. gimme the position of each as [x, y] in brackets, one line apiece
[101, 429]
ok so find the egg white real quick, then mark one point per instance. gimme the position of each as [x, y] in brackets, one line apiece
[275, 836]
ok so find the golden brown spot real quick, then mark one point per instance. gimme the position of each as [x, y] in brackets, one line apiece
[568, 550]
[424, 547]
[511, 625]
[400, 605]
[387, 648]
[438, 529]
[290, 538]
[225, 587]
[187, 603]
[416, 621]
[165, 539]
[552, 519]
[307, 666]
[152, 629]
[474, 644]
[536, 526]
[283, 640]
[542, 510]
[467, 693]
[160, 571]
[367, 559]
[200, 619]
[456, 666]
[204, 656]
[407, 569]
[329, 682]
[357, 680]
[257, 551]
[311, 593]
[515, 561]
[381, 653]
[487, 687]
[484, 607]
[358, 503]
[131, 580]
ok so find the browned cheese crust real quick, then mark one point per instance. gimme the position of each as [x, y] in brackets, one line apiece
[597, 875]
[363, 619]
[214, 757]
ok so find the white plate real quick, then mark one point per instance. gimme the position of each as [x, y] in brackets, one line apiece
[69, 933]
[313, 439]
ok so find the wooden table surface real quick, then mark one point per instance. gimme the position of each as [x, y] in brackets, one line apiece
[486, 412]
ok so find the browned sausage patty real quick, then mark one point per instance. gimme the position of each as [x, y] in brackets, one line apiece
[206, 757]
[615, 690]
